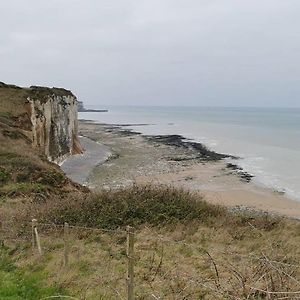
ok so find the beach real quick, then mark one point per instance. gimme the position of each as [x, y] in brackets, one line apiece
[78, 167]
[132, 158]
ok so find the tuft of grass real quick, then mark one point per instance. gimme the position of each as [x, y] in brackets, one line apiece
[13, 134]
[22, 189]
[4, 176]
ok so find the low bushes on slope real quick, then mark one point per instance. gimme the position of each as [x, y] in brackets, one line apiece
[155, 205]
[137, 205]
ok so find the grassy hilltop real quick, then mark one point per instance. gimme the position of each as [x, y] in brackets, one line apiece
[185, 248]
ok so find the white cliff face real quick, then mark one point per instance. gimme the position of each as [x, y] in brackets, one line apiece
[46, 116]
[54, 125]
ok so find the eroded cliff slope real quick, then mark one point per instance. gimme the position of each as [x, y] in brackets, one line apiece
[38, 126]
[46, 116]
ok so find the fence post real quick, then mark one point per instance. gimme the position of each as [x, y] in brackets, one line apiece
[130, 256]
[66, 244]
[33, 224]
[2, 234]
[35, 236]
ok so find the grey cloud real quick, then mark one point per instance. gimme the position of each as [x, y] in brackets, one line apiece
[189, 52]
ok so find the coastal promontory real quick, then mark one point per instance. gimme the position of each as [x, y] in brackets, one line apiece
[46, 116]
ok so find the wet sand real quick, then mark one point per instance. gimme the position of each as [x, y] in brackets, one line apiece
[78, 167]
[138, 159]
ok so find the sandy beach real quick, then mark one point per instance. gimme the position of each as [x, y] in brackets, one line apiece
[78, 167]
[123, 158]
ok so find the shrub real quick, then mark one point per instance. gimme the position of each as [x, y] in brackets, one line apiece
[154, 205]
[52, 177]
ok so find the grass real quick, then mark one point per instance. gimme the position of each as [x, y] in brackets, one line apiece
[185, 248]
[19, 284]
[12, 101]
[12, 98]
[26, 171]
[16, 189]
[4, 176]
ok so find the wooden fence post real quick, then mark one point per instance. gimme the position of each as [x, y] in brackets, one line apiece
[66, 244]
[2, 234]
[33, 224]
[35, 236]
[130, 256]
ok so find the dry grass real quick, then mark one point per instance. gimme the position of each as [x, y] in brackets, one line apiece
[191, 261]
[12, 101]
[202, 252]
[12, 98]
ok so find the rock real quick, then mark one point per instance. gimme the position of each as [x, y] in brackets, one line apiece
[202, 152]
[233, 167]
[245, 176]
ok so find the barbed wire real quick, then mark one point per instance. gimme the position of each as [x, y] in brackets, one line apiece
[190, 279]
[205, 251]
[83, 227]
[162, 239]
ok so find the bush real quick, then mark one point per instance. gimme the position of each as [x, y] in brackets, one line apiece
[154, 205]
[139, 205]
[52, 178]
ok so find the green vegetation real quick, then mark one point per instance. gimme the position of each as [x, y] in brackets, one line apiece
[13, 134]
[4, 176]
[52, 178]
[20, 284]
[5, 115]
[25, 171]
[16, 189]
[155, 205]
[139, 205]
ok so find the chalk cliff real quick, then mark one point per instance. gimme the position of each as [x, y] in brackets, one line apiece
[47, 116]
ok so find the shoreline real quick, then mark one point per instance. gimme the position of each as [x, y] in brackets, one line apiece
[174, 160]
[78, 167]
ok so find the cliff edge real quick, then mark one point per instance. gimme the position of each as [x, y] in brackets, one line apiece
[46, 116]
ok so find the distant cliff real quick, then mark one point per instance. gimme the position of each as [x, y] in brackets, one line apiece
[81, 108]
[46, 116]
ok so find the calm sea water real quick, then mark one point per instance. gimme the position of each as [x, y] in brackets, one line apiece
[267, 140]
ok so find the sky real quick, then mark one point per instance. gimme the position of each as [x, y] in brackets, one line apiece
[156, 52]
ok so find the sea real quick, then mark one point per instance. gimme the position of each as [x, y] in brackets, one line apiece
[267, 140]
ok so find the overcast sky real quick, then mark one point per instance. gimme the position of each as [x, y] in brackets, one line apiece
[156, 52]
